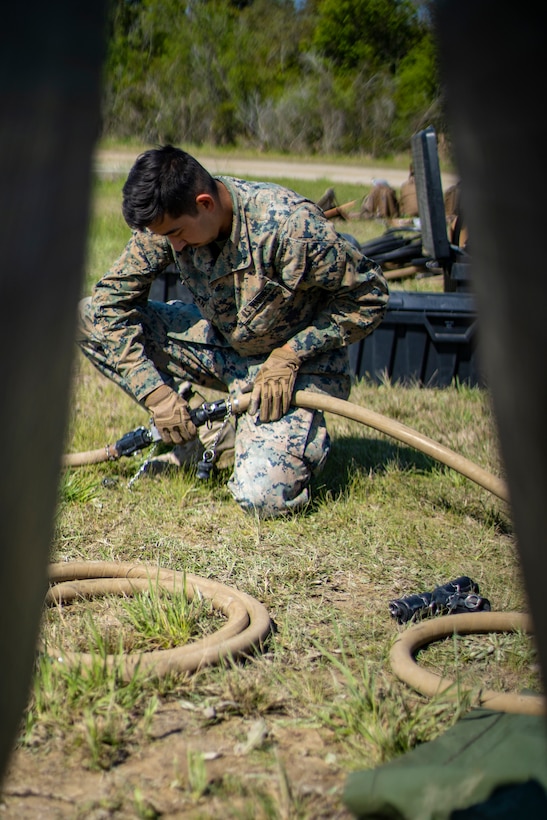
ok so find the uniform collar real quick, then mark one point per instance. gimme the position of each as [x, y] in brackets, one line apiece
[238, 248]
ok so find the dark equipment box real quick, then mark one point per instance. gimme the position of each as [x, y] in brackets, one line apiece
[424, 338]
[167, 286]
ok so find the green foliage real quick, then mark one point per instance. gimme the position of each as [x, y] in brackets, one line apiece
[416, 93]
[163, 618]
[77, 487]
[375, 34]
[268, 73]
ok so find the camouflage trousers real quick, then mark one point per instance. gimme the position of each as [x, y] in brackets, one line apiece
[274, 461]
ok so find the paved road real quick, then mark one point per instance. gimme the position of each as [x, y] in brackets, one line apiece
[119, 162]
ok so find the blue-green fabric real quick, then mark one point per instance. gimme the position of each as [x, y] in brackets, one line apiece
[488, 765]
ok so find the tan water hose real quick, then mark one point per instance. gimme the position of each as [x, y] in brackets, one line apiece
[328, 404]
[107, 453]
[427, 683]
[318, 401]
[248, 622]
[123, 578]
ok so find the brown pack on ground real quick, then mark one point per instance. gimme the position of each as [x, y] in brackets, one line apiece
[408, 205]
[380, 203]
[457, 230]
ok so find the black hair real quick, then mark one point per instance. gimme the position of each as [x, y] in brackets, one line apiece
[164, 181]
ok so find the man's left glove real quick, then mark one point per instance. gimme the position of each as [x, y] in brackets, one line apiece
[274, 385]
[171, 415]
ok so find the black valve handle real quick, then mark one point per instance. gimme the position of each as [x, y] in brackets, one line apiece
[143, 437]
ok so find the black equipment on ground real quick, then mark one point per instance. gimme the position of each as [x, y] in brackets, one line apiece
[460, 595]
[142, 437]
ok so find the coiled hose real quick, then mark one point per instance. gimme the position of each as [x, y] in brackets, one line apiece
[248, 621]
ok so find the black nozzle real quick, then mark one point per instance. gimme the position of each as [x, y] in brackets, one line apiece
[209, 411]
[133, 441]
[460, 595]
[143, 437]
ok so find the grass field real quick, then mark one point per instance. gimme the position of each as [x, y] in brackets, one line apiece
[274, 735]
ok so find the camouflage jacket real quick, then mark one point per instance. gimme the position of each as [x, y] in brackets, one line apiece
[284, 275]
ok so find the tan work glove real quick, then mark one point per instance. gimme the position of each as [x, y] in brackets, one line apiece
[274, 385]
[170, 414]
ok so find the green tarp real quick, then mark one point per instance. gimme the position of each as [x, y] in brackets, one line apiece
[488, 765]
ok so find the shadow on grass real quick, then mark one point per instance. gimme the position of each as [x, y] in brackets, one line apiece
[351, 454]
[369, 455]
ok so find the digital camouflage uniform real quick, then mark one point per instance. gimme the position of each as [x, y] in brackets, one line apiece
[284, 274]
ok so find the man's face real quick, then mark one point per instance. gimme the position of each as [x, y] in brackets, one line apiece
[192, 231]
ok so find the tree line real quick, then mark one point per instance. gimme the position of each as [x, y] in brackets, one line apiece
[314, 77]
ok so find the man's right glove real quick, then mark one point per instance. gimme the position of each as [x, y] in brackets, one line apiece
[274, 385]
[170, 414]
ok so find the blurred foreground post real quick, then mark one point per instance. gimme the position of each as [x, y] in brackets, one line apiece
[492, 64]
[50, 62]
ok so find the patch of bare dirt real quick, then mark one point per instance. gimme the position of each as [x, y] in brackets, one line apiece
[153, 780]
